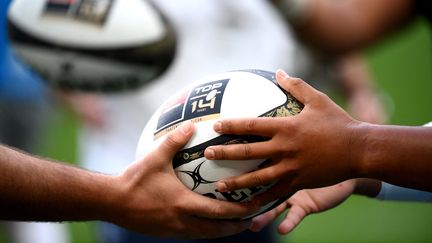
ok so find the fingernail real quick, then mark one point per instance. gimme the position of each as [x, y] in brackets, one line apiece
[281, 73]
[186, 127]
[221, 186]
[217, 126]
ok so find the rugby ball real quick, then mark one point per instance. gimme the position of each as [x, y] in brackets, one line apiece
[234, 94]
[92, 45]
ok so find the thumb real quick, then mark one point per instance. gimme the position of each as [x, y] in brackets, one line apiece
[298, 88]
[176, 140]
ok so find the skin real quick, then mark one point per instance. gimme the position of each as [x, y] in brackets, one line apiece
[337, 26]
[323, 146]
[363, 100]
[147, 197]
[309, 201]
[87, 106]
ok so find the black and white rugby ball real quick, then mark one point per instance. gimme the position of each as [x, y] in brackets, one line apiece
[235, 94]
[93, 45]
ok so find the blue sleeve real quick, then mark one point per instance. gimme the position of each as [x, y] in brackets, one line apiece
[397, 193]
[17, 82]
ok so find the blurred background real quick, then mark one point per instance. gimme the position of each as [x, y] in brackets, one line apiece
[401, 66]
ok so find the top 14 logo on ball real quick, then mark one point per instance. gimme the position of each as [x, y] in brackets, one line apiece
[200, 103]
[91, 11]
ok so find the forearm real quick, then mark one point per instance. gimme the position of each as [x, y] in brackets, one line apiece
[397, 154]
[35, 189]
[354, 74]
[339, 26]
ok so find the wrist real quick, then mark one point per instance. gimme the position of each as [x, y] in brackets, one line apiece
[371, 159]
[114, 205]
[129, 196]
[103, 197]
[357, 149]
[367, 187]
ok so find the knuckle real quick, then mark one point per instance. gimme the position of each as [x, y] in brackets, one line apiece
[226, 126]
[247, 151]
[231, 184]
[257, 179]
[289, 152]
[250, 125]
[172, 140]
[216, 212]
[178, 205]
[219, 152]
[319, 97]
[295, 82]
[289, 125]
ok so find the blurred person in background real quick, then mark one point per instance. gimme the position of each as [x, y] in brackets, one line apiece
[347, 77]
[332, 36]
[365, 101]
[24, 112]
[336, 28]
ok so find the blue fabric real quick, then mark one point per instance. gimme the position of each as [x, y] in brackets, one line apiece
[16, 81]
[396, 193]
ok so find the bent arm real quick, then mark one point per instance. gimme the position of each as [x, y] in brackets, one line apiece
[37, 189]
[338, 26]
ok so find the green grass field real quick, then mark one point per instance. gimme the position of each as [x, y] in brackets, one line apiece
[402, 66]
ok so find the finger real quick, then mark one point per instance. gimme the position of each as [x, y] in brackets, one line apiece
[217, 209]
[176, 140]
[261, 126]
[298, 88]
[259, 150]
[294, 216]
[261, 221]
[256, 178]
